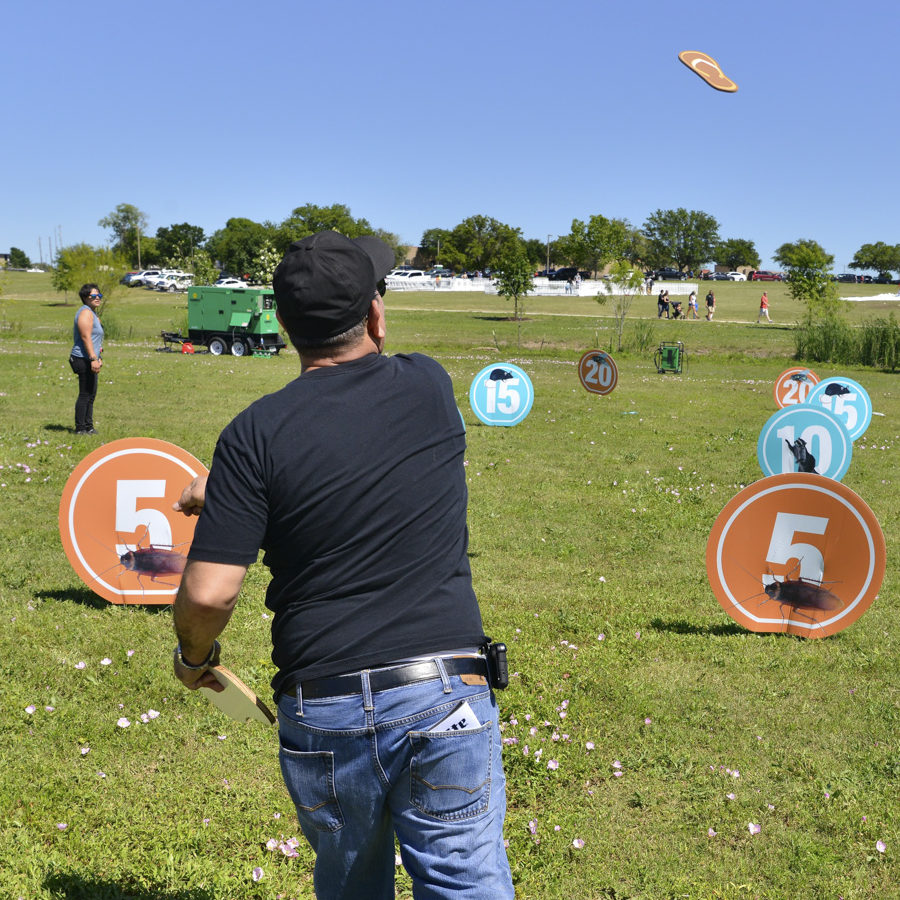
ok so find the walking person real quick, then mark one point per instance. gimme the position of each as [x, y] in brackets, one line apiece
[662, 304]
[763, 307]
[710, 306]
[86, 356]
[692, 305]
[351, 480]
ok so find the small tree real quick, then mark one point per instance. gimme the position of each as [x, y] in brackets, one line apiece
[263, 267]
[199, 264]
[83, 264]
[515, 279]
[808, 268]
[625, 283]
[18, 259]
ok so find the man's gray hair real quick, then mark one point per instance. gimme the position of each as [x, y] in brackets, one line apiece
[345, 339]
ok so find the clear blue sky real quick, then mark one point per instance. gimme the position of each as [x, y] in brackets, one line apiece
[419, 114]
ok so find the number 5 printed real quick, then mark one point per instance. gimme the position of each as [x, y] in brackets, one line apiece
[783, 549]
[501, 394]
[131, 518]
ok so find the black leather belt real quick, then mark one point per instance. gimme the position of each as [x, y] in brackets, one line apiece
[384, 679]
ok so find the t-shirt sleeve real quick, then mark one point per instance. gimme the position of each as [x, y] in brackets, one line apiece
[232, 526]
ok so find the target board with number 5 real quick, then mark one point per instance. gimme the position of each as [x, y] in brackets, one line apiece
[116, 521]
[797, 553]
[501, 394]
[598, 372]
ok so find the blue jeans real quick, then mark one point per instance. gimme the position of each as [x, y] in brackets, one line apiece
[363, 768]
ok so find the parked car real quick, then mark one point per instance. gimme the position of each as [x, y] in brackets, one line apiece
[716, 276]
[230, 282]
[763, 275]
[407, 274]
[567, 273]
[139, 278]
[669, 274]
[126, 278]
[735, 276]
[846, 278]
[882, 279]
[150, 281]
[175, 281]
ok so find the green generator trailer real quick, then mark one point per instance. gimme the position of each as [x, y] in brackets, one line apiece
[240, 320]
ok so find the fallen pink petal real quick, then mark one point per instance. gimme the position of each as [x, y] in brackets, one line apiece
[80, 665]
[257, 874]
[711, 832]
[753, 828]
[106, 661]
[880, 846]
[589, 745]
[578, 844]
[123, 722]
[30, 709]
[552, 764]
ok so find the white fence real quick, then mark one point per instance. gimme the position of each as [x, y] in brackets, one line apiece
[543, 287]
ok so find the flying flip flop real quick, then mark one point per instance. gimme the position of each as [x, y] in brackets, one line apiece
[708, 69]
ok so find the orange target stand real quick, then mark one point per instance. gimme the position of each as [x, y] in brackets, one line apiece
[116, 521]
[597, 372]
[810, 533]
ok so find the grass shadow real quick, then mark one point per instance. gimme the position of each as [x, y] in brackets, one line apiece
[681, 626]
[85, 597]
[68, 886]
[56, 427]
[484, 318]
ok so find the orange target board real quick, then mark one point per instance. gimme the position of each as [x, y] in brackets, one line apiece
[793, 386]
[796, 553]
[598, 372]
[116, 521]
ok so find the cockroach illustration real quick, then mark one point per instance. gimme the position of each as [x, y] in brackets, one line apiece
[806, 462]
[836, 390]
[500, 375]
[800, 376]
[152, 560]
[799, 596]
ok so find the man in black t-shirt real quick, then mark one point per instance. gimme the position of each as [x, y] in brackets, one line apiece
[351, 480]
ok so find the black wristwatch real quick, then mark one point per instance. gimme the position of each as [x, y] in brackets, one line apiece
[206, 662]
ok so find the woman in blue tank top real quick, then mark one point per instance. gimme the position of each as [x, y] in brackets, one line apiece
[85, 358]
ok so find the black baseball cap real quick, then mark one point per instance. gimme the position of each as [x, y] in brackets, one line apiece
[326, 282]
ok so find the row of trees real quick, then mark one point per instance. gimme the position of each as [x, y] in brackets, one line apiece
[680, 237]
[686, 239]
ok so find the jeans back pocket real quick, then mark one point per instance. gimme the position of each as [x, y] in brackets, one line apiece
[309, 778]
[450, 772]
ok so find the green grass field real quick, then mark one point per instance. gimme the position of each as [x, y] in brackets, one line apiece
[673, 728]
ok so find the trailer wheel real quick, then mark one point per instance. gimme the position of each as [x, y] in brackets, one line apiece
[216, 346]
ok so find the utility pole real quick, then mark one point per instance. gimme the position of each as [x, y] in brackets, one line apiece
[548, 255]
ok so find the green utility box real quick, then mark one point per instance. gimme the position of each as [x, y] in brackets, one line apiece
[670, 357]
[239, 320]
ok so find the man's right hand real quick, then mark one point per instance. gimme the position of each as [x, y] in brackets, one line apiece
[192, 498]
